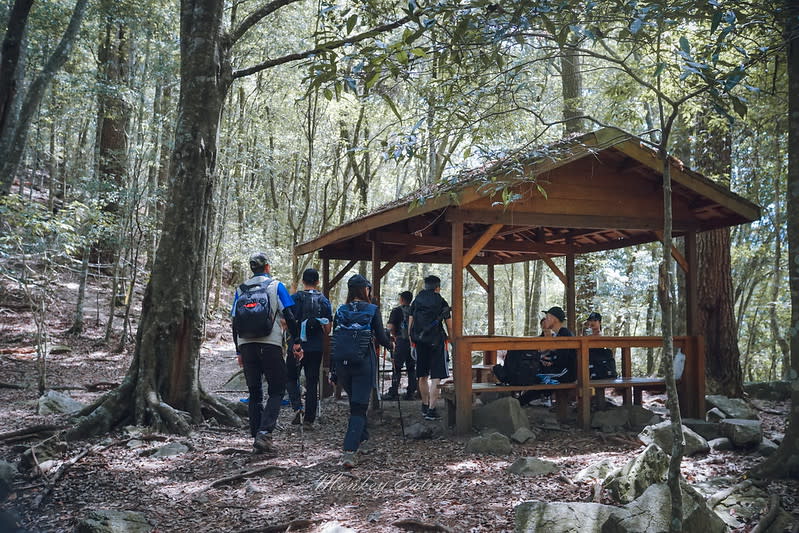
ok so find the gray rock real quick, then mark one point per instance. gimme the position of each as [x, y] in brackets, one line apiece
[660, 434]
[640, 417]
[743, 505]
[715, 415]
[532, 466]
[651, 512]
[542, 417]
[644, 470]
[107, 521]
[610, 420]
[742, 433]
[45, 450]
[419, 431]
[171, 449]
[504, 414]
[493, 444]
[708, 430]
[769, 390]
[600, 470]
[721, 444]
[561, 517]
[522, 435]
[7, 473]
[766, 447]
[54, 402]
[732, 407]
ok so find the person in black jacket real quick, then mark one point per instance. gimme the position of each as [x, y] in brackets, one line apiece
[562, 363]
[357, 379]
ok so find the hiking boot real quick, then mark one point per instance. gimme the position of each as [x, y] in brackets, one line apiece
[425, 408]
[263, 443]
[391, 395]
[308, 425]
[409, 396]
[432, 414]
[297, 420]
[348, 460]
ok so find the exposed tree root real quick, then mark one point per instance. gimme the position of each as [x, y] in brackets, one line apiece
[416, 525]
[770, 516]
[294, 525]
[242, 475]
[29, 432]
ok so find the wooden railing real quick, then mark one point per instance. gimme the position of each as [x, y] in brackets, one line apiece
[691, 387]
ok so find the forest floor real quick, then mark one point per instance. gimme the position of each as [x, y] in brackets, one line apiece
[430, 481]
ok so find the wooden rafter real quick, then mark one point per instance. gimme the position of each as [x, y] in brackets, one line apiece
[476, 276]
[481, 242]
[675, 253]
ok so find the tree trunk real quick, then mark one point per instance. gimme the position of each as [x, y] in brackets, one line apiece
[161, 388]
[716, 304]
[572, 89]
[12, 65]
[15, 134]
[785, 461]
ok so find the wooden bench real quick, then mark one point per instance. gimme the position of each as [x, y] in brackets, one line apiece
[561, 391]
[632, 387]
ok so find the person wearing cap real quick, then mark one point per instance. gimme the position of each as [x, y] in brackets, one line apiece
[358, 380]
[263, 356]
[563, 362]
[402, 355]
[593, 324]
[429, 311]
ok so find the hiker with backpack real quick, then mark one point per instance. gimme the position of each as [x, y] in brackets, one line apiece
[262, 308]
[314, 314]
[429, 311]
[601, 361]
[560, 365]
[403, 354]
[355, 326]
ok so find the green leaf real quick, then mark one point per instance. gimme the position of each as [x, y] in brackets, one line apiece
[659, 70]
[393, 107]
[351, 22]
[739, 106]
[685, 46]
[418, 52]
[714, 25]
[328, 94]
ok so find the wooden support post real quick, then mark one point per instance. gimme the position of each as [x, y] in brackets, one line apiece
[692, 285]
[463, 365]
[326, 277]
[675, 253]
[490, 357]
[376, 276]
[583, 386]
[482, 241]
[571, 294]
[480, 281]
[627, 371]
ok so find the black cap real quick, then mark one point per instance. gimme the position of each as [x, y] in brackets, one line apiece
[358, 281]
[556, 312]
[258, 261]
[594, 316]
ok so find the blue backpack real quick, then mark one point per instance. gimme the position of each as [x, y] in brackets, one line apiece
[352, 338]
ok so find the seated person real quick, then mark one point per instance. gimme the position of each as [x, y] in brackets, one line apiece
[601, 363]
[519, 368]
[561, 364]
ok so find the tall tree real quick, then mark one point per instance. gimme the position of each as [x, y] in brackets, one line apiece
[785, 461]
[14, 126]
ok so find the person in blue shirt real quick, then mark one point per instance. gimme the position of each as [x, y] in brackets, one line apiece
[262, 356]
[315, 315]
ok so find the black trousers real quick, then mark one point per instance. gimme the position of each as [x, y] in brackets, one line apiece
[402, 356]
[264, 361]
[311, 364]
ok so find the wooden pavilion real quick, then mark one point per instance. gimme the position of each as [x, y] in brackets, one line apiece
[600, 191]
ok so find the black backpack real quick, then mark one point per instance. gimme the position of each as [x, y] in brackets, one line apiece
[254, 315]
[601, 364]
[352, 338]
[311, 309]
[521, 367]
[428, 310]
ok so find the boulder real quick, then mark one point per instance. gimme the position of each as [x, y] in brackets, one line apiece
[651, 512]
[746, 503]
[108, 521]
[708, 430]
[769, 390]
[54, 402]
[493, 444]
[532, 466]
[640, 417]
[732, 407]
[505, 414]
[522, 435]
[766, 447]
[600, 470]
[660, 434]
[557, 517]
[7, 473]
[171, 449]
[541, 417]
[742, 433]
[715, 415]
[610, 420]
[631, 480]
[721, 444]
[419, 431]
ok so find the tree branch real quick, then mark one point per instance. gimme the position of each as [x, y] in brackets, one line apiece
[256, 16]
[332, 45]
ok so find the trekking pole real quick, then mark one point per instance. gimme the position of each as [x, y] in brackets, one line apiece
[402, 423]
